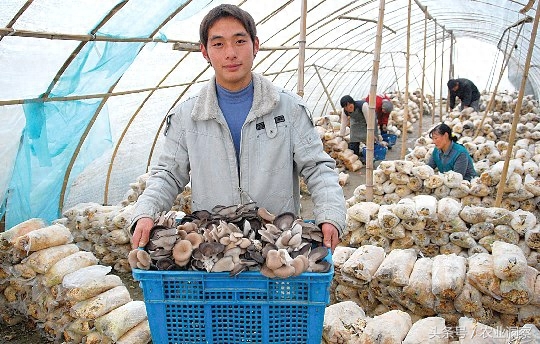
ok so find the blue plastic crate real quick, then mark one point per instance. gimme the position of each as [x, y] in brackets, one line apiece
[193, 307]
[378, 154]
[390, 139]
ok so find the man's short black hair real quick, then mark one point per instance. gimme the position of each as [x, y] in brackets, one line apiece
[346, 100]
[224, 11]
[452, 83]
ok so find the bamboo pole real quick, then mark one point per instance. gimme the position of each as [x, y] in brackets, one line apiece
[302, 49]
[18, 15]
[451, 67]
[434, 75]
[325, 89]
[442, 70]
[372, 101]
[406, 109]
[422, 99]
[517, 111]
[491, 102]
[395, 72]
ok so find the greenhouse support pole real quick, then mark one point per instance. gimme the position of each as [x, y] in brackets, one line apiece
[325, 89]
[434, 74]
[372, 101]
[491, 103]
[395, 72]
[517, 111]
[302, 49]
[442, 82]
[406, 112]
[451, 67]
[422, 98]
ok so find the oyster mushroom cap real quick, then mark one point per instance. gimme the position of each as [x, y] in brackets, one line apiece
[284, 256]
[244, 243]
[318, 253]
[256, 256]
[165, 263]
[322, 266]
[303, 249]
[143, 259]
[265, 215]
[266, 271]
[224, 264]
[195, 239]
[182, 252]
[182, 234]
[273, 260]
[132, 258]
[234, 253]
[272, 229]
[160, 231]
[284, 220]
[268, 247]
[188, 227]
[167, 242]
[243, 265]
[300, 264]
[210, 249]
[267, 236]
[285, 237]
[295, 240]
[284, 271]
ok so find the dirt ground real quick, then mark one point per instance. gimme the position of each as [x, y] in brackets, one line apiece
[27, 334]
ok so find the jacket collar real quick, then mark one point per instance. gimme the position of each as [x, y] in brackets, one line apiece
[265, 100]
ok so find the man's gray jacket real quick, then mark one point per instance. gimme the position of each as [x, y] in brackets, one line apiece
[278, 144]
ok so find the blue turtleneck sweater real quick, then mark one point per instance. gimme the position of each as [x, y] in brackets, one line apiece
[235, 107]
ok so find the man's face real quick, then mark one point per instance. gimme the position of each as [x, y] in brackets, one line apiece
[231, 52]
[455, 88]
[349, 107]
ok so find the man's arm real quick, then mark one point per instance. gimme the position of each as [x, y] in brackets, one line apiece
[344, 123]
[466, 94]
[318, 170]
[452, 99]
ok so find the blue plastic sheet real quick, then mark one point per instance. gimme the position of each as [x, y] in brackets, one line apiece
[54, 129]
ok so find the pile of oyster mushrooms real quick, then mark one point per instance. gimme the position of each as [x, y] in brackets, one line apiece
[234, 239]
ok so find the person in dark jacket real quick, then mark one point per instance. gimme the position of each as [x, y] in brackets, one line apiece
[448, 155]
[466, 91]
[355, 115]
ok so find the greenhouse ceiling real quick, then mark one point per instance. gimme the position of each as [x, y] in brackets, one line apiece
[85, 85]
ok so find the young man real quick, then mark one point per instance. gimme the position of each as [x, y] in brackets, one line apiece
[466, 91]
[355, 116]
[241, 139]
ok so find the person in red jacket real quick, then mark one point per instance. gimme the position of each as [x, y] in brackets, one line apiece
[383, 108]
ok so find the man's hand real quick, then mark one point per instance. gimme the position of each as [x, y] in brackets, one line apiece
[141, 235]
[330, 235]
[380, 139]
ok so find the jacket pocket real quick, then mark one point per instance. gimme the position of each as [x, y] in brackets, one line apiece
[273, 153]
